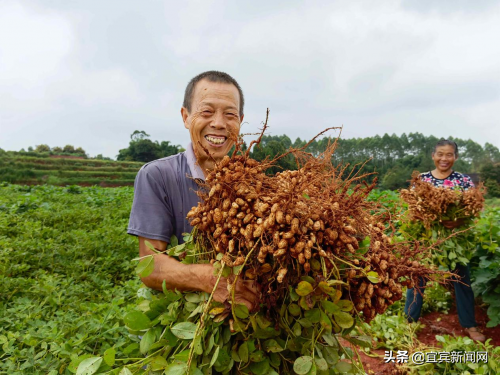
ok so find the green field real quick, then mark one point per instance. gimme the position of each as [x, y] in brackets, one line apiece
[68, 280]
[66, 275]
[40, 169]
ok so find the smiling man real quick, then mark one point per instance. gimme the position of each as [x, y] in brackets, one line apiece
[165, 189]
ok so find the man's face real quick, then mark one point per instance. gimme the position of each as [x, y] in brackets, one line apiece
[214, 118]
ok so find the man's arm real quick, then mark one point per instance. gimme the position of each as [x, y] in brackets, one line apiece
[195, 277]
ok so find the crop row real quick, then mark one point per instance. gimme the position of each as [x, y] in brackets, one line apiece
[72, 162]
[17, 165]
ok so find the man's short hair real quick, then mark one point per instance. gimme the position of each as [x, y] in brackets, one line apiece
[212, 76]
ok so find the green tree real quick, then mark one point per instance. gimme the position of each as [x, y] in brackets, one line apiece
[42, 148]
[139, 135]
[167, 149]
[142, 149]
[69, 149]
[80, 151]
[491, 172]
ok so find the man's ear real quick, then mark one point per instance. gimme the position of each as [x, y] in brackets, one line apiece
[185, 116]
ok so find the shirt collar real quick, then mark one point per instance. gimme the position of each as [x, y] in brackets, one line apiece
[193, 165]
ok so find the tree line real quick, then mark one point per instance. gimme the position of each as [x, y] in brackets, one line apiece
[141, 148]
[390, 158]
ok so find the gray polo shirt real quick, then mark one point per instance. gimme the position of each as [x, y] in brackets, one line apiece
[164, 192]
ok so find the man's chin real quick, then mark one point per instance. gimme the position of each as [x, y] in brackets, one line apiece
[215, 152]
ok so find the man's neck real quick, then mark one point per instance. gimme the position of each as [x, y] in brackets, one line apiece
[206, 165]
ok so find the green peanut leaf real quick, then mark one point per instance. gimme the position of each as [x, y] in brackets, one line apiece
[262, 321]
[321, 364]
[215, 356]
[146, 266]
[325, 322]
[345, 305]
[343, 366]
[243, 352]
[306, 323]
[323, 285]
[89, 366]
[260, 368]
[109, 356]
[302, 365]
[373, 277]
[343, 319]
[241, 311]
[313, 315]
[304, 288]
[330, 307]
[176, 369]
[147, 341]
[158, 363]
[272, 346]
[137, 320]
[174, 241]
[294, 309]
[184, 330]
[363, 341]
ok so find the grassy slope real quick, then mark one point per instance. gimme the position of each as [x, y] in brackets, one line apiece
[16, 168]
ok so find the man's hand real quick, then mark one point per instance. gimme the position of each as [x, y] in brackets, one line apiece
[452, 224]
[246, 291]
[194, 277]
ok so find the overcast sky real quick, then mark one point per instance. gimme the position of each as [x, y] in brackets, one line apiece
[89, 73]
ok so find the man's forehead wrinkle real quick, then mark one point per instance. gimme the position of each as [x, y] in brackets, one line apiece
[217, 93]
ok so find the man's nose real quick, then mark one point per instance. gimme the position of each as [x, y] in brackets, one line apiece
[218, 122]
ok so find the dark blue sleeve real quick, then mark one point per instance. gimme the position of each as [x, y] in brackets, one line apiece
[151, 215]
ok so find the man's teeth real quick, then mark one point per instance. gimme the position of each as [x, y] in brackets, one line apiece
[215, 140]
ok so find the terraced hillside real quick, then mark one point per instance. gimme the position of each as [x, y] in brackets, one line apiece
[33, 170]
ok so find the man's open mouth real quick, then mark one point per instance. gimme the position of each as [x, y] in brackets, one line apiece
[216, 139]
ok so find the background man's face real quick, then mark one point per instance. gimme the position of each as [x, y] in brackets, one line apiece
[214, 118]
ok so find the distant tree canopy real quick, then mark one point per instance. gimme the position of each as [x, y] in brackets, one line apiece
[42, 148]
[490, 174]
[66, 150]
[393, 157]
[141, 148]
